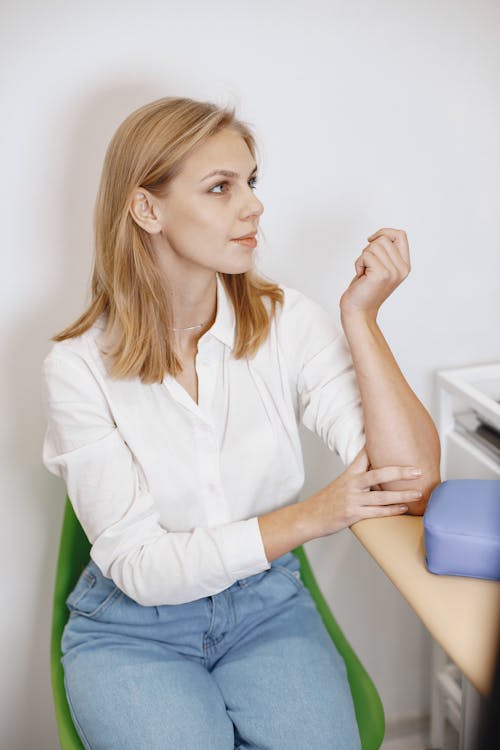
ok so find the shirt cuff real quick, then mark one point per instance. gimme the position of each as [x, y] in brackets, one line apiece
[242, 548]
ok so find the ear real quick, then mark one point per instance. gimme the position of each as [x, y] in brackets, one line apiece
[144, 212]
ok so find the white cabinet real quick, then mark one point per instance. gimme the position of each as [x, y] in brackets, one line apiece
[469, 431]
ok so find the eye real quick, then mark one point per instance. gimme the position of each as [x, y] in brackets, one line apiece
[220, 184]
[252, 182]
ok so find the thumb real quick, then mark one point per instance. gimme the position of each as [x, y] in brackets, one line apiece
[361, 461]
[360, 266]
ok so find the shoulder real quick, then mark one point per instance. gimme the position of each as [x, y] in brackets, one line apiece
[77, 357]
[304, 325]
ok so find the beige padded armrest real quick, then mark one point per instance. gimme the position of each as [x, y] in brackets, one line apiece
[462, 614]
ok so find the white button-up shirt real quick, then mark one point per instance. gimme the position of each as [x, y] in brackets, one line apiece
[169, 491]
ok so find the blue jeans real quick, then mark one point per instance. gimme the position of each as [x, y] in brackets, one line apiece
[250, 667]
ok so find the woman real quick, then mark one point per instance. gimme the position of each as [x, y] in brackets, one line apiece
[173, 406]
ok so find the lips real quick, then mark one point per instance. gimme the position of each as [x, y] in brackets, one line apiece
[249, 241]
[245, 236]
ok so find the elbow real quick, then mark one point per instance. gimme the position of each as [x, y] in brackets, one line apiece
[143, 584]
[146, 601]
[427, 487]
[429, 462]
[425, 484]
[142, 595]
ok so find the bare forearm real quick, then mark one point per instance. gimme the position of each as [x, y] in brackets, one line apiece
[398, 428]
[286, 528]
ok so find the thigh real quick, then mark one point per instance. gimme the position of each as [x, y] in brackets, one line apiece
[133, 695]
[284, 682]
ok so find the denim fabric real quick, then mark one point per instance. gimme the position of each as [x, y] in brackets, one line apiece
[252, 667]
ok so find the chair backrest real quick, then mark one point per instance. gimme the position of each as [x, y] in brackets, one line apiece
[74, 554]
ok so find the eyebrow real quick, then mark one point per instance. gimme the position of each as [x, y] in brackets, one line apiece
[226, 173]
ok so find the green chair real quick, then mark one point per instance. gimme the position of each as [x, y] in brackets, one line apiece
[74, 551]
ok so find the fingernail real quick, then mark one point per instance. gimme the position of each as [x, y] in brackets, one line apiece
[416, 472]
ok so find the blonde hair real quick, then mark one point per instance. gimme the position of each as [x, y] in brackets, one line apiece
[148, 150]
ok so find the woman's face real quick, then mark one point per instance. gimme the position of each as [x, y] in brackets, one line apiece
[201, 214]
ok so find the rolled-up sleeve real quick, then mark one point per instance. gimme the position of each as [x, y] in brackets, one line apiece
[328, 393]
[111, 499]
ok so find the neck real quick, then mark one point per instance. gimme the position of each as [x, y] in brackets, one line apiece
[193, 301]
[187, 341]
[192, 294]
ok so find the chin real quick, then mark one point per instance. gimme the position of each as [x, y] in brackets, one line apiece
[240, 266]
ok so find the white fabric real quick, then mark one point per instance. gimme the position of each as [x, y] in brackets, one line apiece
[169, 491]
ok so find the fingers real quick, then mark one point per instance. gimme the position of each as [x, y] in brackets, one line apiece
[390, 255]
[384, 511]
[376, 259]
[363, 450]
[398, 236]
[360, 461]
[387, 497]
[386, 474]
[381, 511]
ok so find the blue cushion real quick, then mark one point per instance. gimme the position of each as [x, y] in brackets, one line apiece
[462, 528]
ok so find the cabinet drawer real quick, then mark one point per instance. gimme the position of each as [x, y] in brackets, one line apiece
[465, 460]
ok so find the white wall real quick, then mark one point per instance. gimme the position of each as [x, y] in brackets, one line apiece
[369, 114]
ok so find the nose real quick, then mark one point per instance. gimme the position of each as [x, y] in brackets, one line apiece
[254, 207]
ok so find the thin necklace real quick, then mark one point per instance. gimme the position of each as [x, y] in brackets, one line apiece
[188, 328]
